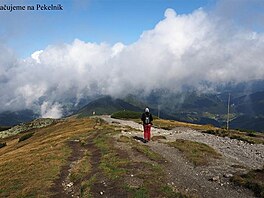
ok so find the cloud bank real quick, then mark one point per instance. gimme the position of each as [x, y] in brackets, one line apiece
[181, 50]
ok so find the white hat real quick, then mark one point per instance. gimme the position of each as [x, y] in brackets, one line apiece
[146, 110]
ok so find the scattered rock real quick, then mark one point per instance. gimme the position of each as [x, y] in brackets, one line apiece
[115, 122]
[228, 175]
[69, 185]
[38, 123]
[215, 179]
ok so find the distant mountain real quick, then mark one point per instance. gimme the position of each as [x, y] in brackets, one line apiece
[248, 123]
[252, 104]
[241, 89]
[246, 110]
[106, 105]
[8, 118]
[247, 106]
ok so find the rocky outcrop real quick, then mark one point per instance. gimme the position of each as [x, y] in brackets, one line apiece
[38, 123]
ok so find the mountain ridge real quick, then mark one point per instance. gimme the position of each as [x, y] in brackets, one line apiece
[246, 111]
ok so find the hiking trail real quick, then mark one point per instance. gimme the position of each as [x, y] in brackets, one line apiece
[203, 181]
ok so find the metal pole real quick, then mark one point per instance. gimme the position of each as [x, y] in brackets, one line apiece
[158, 111]
[228, 109]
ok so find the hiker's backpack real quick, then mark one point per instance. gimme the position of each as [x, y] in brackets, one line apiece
[147, 119]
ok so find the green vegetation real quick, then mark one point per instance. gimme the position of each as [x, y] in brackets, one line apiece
[152, 173]
[198, 153]
[86, 186]
[250, 137]
[126, 115]
[118, 168]
[124, 139]
[253, 180]
[81, 168]
[2, 144]
[105, 105]
[25, 137]
[111, 164]
[148, 152]
[3, 128]
[143, 149]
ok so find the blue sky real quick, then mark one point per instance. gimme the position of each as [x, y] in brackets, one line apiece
[109, 21]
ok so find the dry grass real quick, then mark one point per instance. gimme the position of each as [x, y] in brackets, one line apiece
[253, 180]
[124, 139]
[158, 137]
[28, 168]
[198, 153]
[253, 137]
[148, 152]
[143, 149]
[170, 124]
[81, 168]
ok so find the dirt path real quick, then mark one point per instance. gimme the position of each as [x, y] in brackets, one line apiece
[63, 187]
[209, 181]
[235, 151]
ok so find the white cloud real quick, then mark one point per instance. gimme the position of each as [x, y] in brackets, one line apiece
[35, 55]
[51, 110]
[180, 50]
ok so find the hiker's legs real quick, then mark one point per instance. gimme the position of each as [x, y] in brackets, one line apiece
[145, 132]
[148, 134]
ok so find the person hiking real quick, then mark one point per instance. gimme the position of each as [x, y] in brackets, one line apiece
[147, 122]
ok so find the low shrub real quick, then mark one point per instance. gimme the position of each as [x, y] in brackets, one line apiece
[2, 144]
[158, 137]
[252, 180]
[25, 137]
[3, 128]
[249, 137]
[126, 115]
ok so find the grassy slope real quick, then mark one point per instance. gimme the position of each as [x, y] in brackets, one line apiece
[29, 168]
